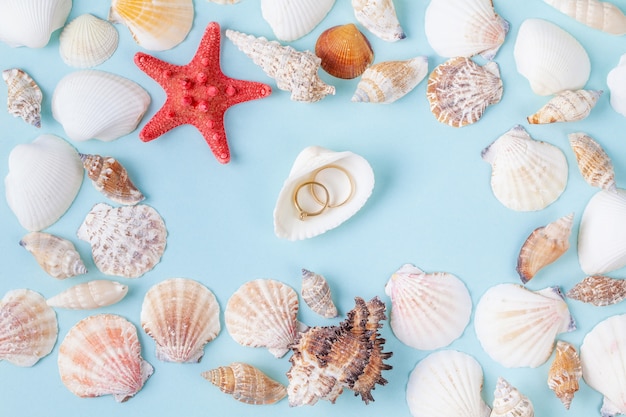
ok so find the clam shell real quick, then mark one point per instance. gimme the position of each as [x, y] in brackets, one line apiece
[464, 28]
[345, 51]
[517, 327]
[596, 14]
[111, 178]
[125, 241]
[182, 316]
[99, 105]
[57, 256]
[23, 96]
[565, 372]
[594, 164]
[28, 327]
[101, 355]
[566, 106]
[292, 19]
[43, 180]
[428, 311]
[380, 18]
[459, 90]
[246, 383]
[89, 295]
[287, 222]
[550, 58]
[87, 41]
[262, 313]
[599, 290]
[616, 82]
[509, 402]
[388, 81]
[30, 23]
[526, 174]
[316, 294]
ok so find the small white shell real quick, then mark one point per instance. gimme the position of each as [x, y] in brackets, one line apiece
[566, 106]
[89, 295]
[616, 82]
[23, 96]
[57, 257]
[379, 17]
[600, 15]
[292, 19]
[317, 295]
[30, 23]
[87, 41]
[509, 402]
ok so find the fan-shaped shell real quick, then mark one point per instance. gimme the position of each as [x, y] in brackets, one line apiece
[616, 82]
[43, 180]
[89, 295]
[526, 174]
[57, 256]
[28, 327]
[517, 327]
[428, 311]
[182, 316]
[593, 162]
[345, 51]
[566, 106]
[30, 23]
[111, 178]
[23, 96]
[509, 402]
[101, 355]
[600, 15]
[599, 290]
[292, 19]
[379, 17]
[317, 295]
[565, 372]
[87, 41]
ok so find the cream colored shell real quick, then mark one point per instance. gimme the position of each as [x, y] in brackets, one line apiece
[317, 295]
[87, 41]
[57, 256]
[380, 18]
[616, 82]
[601, 15]
[508, 401]
[30, 23]
[293, 19]
[594, 164]
[89, 295]
[566, 106]
[23, 96]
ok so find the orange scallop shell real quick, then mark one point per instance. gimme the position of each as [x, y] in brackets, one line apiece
[345, 52]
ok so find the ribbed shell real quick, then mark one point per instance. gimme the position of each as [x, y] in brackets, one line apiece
[23, 96]
[616, 82]
[345, 51]
[601, 15]
[57, 256]
[509, 402]
[566, 106]
[380, 18]
[30, 23]
[593, 162]
[565, 372]
[89, 295]
[293, 19]
[87, 41]
[599, 290]
[317, 295]
[111, 178]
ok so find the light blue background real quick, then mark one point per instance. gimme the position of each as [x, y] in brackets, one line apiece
[432, 206]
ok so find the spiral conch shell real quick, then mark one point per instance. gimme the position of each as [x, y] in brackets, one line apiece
[566, 106]
[57, 256]
[23, 96]
[593, 162]
[111, 178]
[379, 17]
[600, 15]
[89, 295]
[316, 294]
[565, 372]
[599, 290]
[509, 402]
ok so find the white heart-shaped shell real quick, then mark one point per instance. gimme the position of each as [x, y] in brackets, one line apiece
[87, 41]
[380, 18]
[600, 15]
[23, 96]
[292, 19]
[57, 256]
[30, 23]
[89, 295]
[616, 82]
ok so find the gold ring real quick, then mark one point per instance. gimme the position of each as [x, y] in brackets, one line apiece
[339, 168]
[301, 212]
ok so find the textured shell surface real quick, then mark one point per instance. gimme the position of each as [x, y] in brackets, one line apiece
[293, 19]
[263, 313]
[344, 50]
[600, 15]
[89, 295]
[293, 70]
[616, 82]
[544, 246]
[57, 256]
[446, 383]
[317, 295]
[182, 316]
[287, 222]
[110, 177]
[464, 28]
[246, 383]
[23, 96]
[599, 290]
[125, 241]
[526, 174]
[87, 41]
[44, 178]
[517, 327]
[428, 310]
[94, 104]
[28, 327]
[508, 401]
[593, 162]
[565, 372]
[386, 82]
[30, 23]
[380, 18]
[459, 90]
[101, 355]
[156, 26]
[566, 106]
[550, 58]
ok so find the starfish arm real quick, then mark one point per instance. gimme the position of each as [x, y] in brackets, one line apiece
[239, 91]
[163, 121]
[214, 134]
[155, 68]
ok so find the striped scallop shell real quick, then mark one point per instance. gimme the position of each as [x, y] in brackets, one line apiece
[23, 96]
[30, 23]
[508, 401]
[111, 178]
[87, 41]
[57, 256]
[601, 15]
[566, 106]
[565, 372]
[316, 294]
[89, 295]
[292, 19]
[380, 18]
[593, 162]
[599, 290]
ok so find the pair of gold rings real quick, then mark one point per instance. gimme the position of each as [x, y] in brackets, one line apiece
[314, 189]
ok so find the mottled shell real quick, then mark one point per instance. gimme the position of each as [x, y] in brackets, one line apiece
[111, 178]
[509, 402]
[246, 383]
[565, 372]
[317, 295]
[28, 327]
[601, 15]
[293, 19]
[599, 290]
[57, 256]
[345, 51]
[566, 106]
[23, 96]
[545, 245]
[182, 316]
[459, 90]
[101, 355]
[30, 23]
[87, 41]
[89, 295]
[125, 241]
[380, 18]
[593, 162]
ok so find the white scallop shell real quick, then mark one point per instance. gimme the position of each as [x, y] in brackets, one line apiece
[428, 311]
[550, 58]
[616, 82]
[508, 401]
[43, 180]
[517, 327]
[23, 96]
[287, 222]
[30, 23]
[89, 295]
[446, 383]
[600, 15]
[57, 256]
[292, 19]
[98, 104]
[526, 174]
[87, 41]
[380, 18]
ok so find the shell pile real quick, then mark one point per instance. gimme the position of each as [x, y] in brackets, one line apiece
[23, 96]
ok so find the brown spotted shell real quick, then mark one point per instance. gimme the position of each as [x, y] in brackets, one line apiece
[345, 51]
[111, 178]
[316, 294]
[565, 372]
[593, 162]
[599, 290]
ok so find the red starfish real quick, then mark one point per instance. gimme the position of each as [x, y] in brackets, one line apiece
[198, 93]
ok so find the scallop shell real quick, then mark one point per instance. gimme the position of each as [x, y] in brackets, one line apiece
[87, 41]
[345, 51]
[545, 245]
[616, 82]
[287, 223]
[182, 316]
[101, 355]
[599, 290]
[262, 313]
[30, 23]
[57, 256]
[517, 327]
[43, 180]
[459, 90]
[596, 14]
[593, 162]
[156, 26]
[509, 402]
[428, 311]
[446, 383]
[293, 70]
[550, 58]
[23, 96]
[526, 174]
[246, 383]
[464, 28]
[566, 106]
[388, 81]
[125, 241]
[565, 372]
[111, 178]
[316, 294]
[380, 18]
[90, 295]
[97, 104]
[292, 19]
[28, 327]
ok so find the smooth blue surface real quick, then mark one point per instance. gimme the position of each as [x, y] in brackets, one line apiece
[432, 206]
